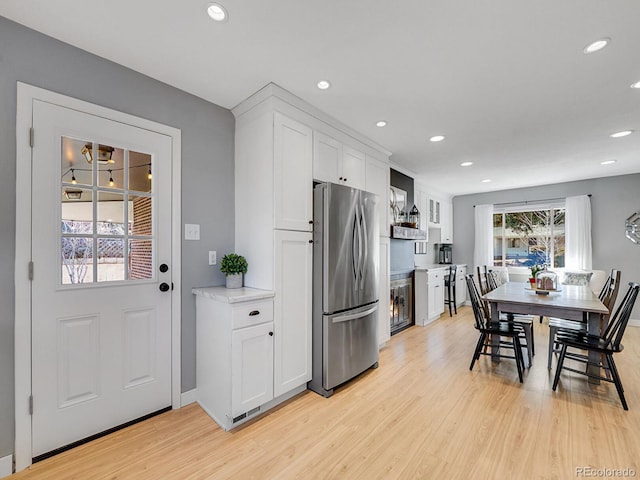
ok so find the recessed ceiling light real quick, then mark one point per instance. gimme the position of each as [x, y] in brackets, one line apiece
[437, 138]
[597, 45]
[623, 133]
[486, 180]
[635, 85]
[217, 12]
[323, 84]
[466, 164]
[381, 123]
[607, 162]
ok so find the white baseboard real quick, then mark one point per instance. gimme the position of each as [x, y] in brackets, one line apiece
[188, 397]
[6, 466]
[634, 323]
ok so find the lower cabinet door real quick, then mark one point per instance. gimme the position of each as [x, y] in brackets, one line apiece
[292, 310]
[251, 367]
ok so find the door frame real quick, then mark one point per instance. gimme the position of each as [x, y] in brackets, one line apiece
[26, 94]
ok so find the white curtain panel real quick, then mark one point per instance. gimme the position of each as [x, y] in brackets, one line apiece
[483, 249]
[578, 250]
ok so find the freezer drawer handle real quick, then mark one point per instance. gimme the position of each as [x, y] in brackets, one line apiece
[353, 316]
[253, 313]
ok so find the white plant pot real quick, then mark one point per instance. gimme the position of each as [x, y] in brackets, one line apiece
[234, 281]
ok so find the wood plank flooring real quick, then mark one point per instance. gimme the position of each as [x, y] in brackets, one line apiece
[422, 414]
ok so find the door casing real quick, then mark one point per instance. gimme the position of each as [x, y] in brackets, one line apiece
[26, 94]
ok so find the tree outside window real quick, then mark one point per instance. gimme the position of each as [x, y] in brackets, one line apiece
[523, 239]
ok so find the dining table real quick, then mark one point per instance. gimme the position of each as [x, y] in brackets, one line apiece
[569, 302]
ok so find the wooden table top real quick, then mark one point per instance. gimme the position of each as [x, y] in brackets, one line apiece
[570, 297]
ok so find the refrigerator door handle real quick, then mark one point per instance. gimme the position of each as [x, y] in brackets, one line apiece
[364, 250]
[355, 261]
[353, 316]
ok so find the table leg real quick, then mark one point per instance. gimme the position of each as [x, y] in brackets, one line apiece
[495, 339]
[594, 328]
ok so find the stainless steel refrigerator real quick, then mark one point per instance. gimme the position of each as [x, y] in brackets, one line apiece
[345, 285]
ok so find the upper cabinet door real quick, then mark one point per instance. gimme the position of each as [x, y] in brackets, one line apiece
[352, 167]
[327, 158]
[293, 174]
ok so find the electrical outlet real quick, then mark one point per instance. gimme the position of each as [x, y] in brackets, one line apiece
[212, 257]
[191, 231]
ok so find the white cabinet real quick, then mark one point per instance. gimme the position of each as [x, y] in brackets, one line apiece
[423, 208]
[235, 354]
[377, 181]
[292, 167]
[336, 162]
[446, 222]
[435, 292]
[429, 295]
[293, 264]
[384, 325]
[461, 285]
[434, 212]
[251, 367]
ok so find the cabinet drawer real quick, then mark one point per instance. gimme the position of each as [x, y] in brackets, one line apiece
[436, 275]
[252, 313]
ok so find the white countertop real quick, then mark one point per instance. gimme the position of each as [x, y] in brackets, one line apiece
[232, 295]
[438, 266]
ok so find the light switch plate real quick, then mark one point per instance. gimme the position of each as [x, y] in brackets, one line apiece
[212, 257]
[191, 231]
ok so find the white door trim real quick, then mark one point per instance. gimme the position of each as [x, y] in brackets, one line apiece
[26, 95]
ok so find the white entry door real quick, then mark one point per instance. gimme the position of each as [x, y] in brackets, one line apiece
[101, 250]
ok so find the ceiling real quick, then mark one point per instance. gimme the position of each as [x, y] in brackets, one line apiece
[506, 81]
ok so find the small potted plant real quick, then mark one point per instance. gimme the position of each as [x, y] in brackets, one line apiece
[233, 266]
[535, 269]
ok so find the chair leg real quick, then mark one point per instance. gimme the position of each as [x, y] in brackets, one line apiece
[455, 307]
[517, 349]
[552, 336]
[617, 381]
[476, 353]
[563, 352]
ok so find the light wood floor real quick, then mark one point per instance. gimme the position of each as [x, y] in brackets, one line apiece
[421, 414]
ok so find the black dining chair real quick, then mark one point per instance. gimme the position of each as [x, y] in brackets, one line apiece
[508, 332]
[450, 287]
[607, 296]
[606, 345]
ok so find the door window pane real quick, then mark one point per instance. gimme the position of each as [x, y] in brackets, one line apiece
[110, 167]
[140, 259]
[77, 260]
[75, 170]
[140, 172]
[110, 213]
[110, 259]
[140, 219]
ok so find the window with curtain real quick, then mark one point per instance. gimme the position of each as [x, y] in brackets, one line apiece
[527, 235]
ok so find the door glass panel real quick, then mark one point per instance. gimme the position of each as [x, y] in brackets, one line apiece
[110, 166]
[75, 170]
[77, 260]
[140, 259]
[140, 171]
[110, 259]
[140, 218]
[99, 212]
[110, 213]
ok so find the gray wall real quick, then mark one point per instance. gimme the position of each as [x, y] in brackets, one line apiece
[207, 171]
[613, 200]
